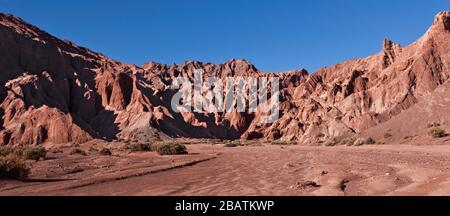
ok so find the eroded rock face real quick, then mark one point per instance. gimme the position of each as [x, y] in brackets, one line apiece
[54, 91]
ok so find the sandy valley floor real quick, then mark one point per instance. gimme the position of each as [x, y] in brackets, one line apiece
[259, 170]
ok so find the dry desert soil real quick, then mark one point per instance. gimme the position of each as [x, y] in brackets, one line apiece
[261, 169]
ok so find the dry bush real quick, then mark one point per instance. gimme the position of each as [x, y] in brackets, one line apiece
[170, 148]
[233, 143]
[333, 142]
[28, 153]
[281, 142]
[13, 167]
[140, 147]
[359, 142]
[348, 141]
[437, 133]
[6, 150]
[370, 141]
[381, 142]
[364, 141]
[34, 153]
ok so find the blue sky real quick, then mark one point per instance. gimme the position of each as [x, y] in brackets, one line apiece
[274, 35]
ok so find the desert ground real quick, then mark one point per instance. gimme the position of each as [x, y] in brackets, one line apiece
[254, 169]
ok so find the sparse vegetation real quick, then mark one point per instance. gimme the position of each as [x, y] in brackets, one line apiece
[13, 167]
[348, 141]
[6, 150]
[438, 132]
[106, 152]
[170, 148]
[244, 142]
[381, 142]
[248, 143]
[370, 141]
[333, 142]
[34, 153]
[281, 142]
[78, 151]
[233, 143]
[27, 153]
[344, 141]
[359, 142]
[140, 147]
[364, 141]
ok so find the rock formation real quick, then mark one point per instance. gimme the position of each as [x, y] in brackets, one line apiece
[53, 91]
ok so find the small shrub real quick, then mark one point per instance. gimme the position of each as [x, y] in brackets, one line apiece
[7, 150]
[13, 167]
[106, 152]
[233, 143]
[35, 153]
[245, 143]
[344, 142]
[363, 141]
[387, 135]
[78, 152]
[279, 142]
[320, 135]
[28, 153]
[170, 149]
[333, 142]
[359, 142]
[437, 133]
[140, 147]
[349, 141]
[370, 141]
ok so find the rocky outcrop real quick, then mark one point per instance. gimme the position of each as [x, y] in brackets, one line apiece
[53, 91]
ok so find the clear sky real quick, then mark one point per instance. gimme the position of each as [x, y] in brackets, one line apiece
[274, 35]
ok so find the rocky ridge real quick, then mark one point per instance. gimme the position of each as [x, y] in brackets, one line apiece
[53, 91]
